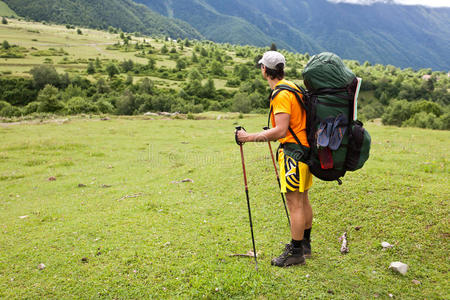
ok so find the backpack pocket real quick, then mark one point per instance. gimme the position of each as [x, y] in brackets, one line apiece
[358, 147]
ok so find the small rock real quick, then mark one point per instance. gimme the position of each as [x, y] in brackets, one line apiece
[399, 267]
[330, 292]
[52, 178]
[80, 185]
[166, 244]
[217, 289]
[104, 119]
[23, 217]
[307, 275]
[85, 260]
[41, 267]
[391, 296]
[357, 228]
[416, 282]
[376, 295]
[150, 114]
[386, 245]
[106, 186]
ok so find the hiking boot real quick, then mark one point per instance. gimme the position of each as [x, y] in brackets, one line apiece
[290, 256]
[306, 245]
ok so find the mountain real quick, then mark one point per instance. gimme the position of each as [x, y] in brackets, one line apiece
[124, 14]
[387, 33]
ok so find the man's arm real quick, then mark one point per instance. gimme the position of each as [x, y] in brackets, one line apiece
[278, 132]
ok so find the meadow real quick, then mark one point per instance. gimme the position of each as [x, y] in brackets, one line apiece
[101, 204]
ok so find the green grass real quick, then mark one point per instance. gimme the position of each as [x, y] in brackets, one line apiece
[5, 10]
[146, 237]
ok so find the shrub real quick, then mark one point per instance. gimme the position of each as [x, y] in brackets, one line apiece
[44, 75]
[397, 112]
[8, 111]
[31, 107]
[49, 100]
[79, 105]
[242, 103]
[105, 107]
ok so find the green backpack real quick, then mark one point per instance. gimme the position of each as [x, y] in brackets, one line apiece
[338, 142]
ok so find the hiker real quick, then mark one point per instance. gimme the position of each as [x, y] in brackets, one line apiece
[295, 177]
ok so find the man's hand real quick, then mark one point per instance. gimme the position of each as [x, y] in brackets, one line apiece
[241, 135]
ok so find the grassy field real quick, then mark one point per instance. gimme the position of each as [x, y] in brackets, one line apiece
[116, 224]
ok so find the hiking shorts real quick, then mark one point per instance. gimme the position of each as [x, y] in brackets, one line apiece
[293, 175]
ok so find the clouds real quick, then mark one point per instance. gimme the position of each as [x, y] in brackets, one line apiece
[432, 3]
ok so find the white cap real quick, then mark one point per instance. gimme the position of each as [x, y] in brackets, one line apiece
[271, 59]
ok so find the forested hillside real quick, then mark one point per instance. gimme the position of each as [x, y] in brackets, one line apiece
[404, 36]
[132, 75]
[123, 14]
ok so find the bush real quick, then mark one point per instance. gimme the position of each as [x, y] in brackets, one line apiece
[79, 105]
[8, 111]
[397, 112]
[242, 103]
[49, 100]
[44, 75]
[424, 120]
[105, 107]
[31, 107]
[4, 104]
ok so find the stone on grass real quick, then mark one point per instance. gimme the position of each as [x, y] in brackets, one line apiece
[41, 266]
[386, 245]
[416, 282]
[399, 267]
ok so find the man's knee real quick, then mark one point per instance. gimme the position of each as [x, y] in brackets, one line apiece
[295, 199]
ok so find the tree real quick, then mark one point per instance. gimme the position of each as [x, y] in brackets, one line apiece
[146, 86]
[127, 65]
[397, 112]
[129, 80]
[217, 68]
[79, 31]
[4, 21]
[43, 75]
[181, 64]
[49, 100]
[194, 58]
[6, 45]
[273, 47]
[244, 73]
[112, 70]
[98, 63]
[151, 63]
[90, 68]
[164, 49]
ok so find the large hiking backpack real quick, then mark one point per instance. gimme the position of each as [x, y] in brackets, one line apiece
[338, 143]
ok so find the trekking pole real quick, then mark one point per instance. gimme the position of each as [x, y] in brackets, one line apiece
[278, 179]
[246, 193]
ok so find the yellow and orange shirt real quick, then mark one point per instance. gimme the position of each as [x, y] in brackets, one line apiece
[286, 102]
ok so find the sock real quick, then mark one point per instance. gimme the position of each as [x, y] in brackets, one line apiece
[307, 234]
[296, 244]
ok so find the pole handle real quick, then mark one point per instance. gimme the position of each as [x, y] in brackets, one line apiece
[235, 135]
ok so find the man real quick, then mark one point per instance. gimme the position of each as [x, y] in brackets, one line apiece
[286, 113]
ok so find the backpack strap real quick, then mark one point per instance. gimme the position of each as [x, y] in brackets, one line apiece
[296, 92]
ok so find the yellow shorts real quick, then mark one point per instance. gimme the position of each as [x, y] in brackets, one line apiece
[293, 175]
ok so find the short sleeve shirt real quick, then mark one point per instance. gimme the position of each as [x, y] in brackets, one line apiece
[286, 102]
